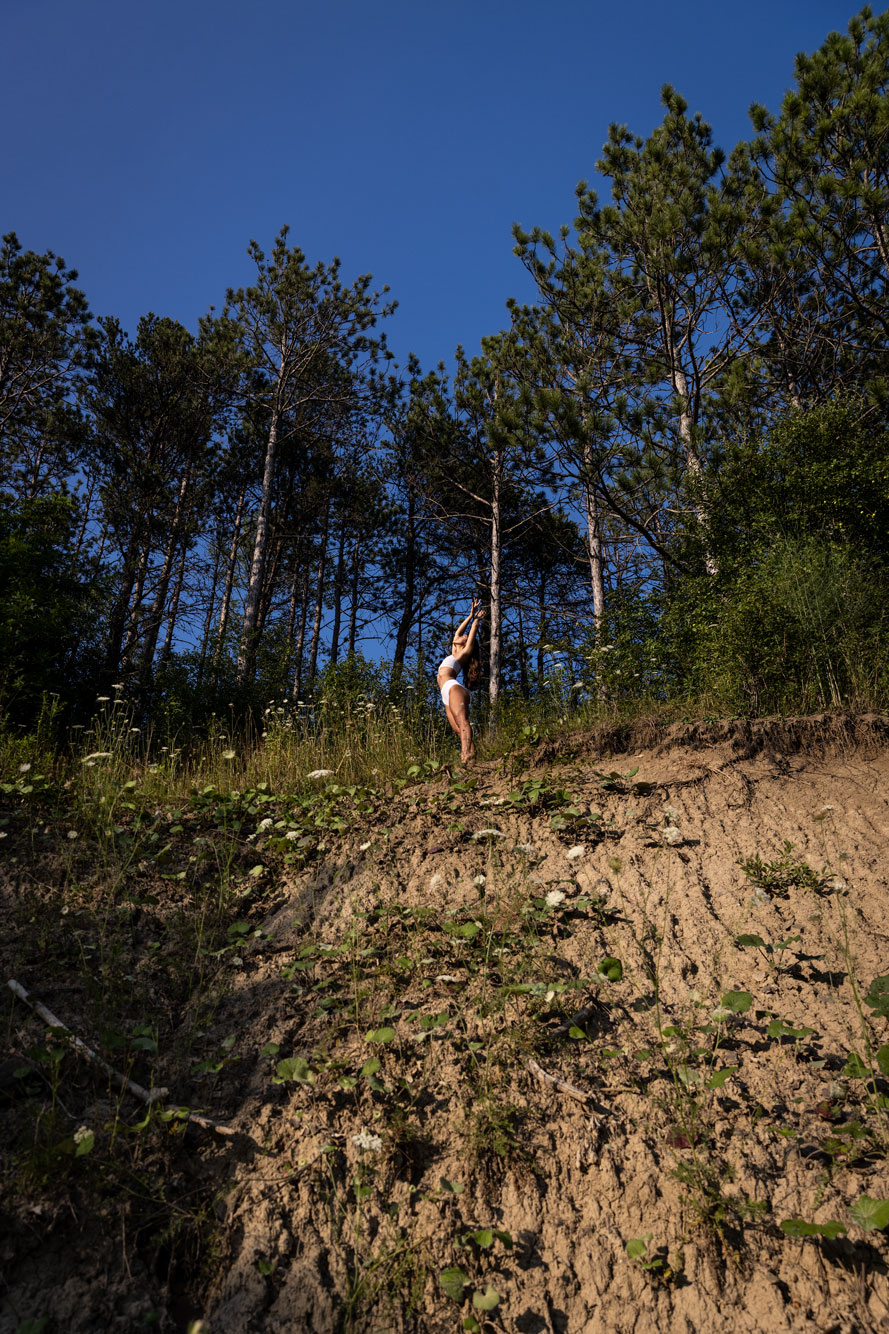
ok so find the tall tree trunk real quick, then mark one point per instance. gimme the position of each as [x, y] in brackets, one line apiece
[410, 560]
[117, 619]
[353, 594]
[692, 457]
[35, 474]
[81, 532]
[541, 634]
[496, 551]
[156, 615]
[686, 423]
[101, 552]
[301, 638]
[229, 581]
[247, 650]
[136, 606]
[338, 596]
[174, 610]
[594, 540]
[319, 604]
[523, 665]
[294, 595]
[268, 591]
[208, 619]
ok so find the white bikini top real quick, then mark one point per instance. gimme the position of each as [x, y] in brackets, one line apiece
[451, 662]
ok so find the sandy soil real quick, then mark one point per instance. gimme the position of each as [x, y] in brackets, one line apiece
[451, 936]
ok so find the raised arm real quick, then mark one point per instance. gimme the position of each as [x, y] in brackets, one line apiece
[463, 624]
[476, 616]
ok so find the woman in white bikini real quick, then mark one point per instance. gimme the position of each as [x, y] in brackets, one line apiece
[463, 657]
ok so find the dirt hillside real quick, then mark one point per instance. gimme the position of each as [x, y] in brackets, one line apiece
[585, 1040]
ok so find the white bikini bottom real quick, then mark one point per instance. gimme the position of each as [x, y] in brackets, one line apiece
[448, 687]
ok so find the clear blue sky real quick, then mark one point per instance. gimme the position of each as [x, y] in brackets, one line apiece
[147, 142]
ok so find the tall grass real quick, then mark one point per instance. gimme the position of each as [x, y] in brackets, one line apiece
[361, 740]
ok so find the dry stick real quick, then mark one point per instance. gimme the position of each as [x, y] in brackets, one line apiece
[562, 1085]
[563, 1030]
[148, 1096]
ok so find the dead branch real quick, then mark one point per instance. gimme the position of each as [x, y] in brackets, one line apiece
[561, 1084]
[148, 1096]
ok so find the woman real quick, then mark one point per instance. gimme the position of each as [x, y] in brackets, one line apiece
[463, 657]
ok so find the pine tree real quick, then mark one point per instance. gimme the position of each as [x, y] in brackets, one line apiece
[826, 158]
[306, 345]
[45, 342]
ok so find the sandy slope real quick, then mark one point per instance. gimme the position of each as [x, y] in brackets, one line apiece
[319, 1234]
[580, 1179]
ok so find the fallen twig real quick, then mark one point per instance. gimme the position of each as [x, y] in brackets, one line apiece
[148, 1096]
[183, 1114]
[561, 1084]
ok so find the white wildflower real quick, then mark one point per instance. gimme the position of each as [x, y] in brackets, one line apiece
[837, 883]
[81, 1134]
[103, 699]
[672, 835]
[577, 851]
[23, 768]
[3, 833]
[228, 754]
[367, 1141]
[72, 833]
[363, 847]
[554, 898]
[671, 815]
[292, 835]
[264, 824]
[480, 881]
[320, 773]
[446, 977]
[488, 833]
[118, 686]
[720, 1014]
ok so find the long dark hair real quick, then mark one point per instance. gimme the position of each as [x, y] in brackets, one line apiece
[473, 671]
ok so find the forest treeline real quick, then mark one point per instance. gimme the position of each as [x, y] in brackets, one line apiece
[668, 475]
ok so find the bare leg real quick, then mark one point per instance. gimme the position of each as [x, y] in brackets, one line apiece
[451, 719]
[458, 717]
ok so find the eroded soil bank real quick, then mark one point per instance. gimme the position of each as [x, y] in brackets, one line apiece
[495, 1031]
